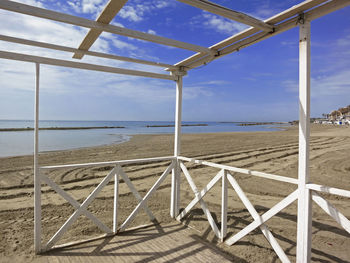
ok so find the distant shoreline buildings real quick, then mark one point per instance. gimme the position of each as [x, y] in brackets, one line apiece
[340, 116]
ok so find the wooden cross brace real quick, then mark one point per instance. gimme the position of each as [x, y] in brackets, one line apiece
[143, 201]
[81, 208]
[199, 198]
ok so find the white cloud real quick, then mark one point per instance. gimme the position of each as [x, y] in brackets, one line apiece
[137, 12]
[150, 31]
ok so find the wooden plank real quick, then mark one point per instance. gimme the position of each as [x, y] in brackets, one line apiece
[146, 197]
[304, 223]
[135, 192]
[223, 230]
[121, 162]
[75, 204]
[230, 14]
[89, 53]
[37, 181]
[200, 195]
[332, 211]
[201, 201]
[175, 243]
[80, 65]
[80, 210]
[108, 13]
[115, 201]
[265, 217]
[264, 229]
[242, 171]
[328, 190]
[225, 48]
[79, 21]
[176, 179]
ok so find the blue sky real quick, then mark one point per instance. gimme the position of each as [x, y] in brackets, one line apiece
[258, 83]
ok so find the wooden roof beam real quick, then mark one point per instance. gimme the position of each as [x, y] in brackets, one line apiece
[80, 65]
[77, 51]
[83, 22]
[230, 14]
[109, 12]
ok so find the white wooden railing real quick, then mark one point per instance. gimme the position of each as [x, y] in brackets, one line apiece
[226, 175]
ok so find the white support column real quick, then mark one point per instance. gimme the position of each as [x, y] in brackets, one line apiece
[175, 179]
[116, 195]
[304, 199]
[37, 180]
[223, 206]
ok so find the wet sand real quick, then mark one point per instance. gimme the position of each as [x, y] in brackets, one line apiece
[271, 152]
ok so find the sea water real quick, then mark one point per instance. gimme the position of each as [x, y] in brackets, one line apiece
[13, 143]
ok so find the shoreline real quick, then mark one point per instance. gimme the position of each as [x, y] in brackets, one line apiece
[276, 129]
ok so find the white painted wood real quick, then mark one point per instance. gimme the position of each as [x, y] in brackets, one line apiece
[76, 51]
[200, 195]
[304, 200]
[146, 197]
[332, 211]
[106, 16]
[230, 14]
[75, 203]
[265, 217]
[79, 21]
[264, 229]
[80, 210]
[176, 179]
[248, 36]
[135, 192]
[328, 190]
[242, 171]
[223, 232]
[37, 181]
[115, 201]
[121, 162]
[201, 201]
[80, 65]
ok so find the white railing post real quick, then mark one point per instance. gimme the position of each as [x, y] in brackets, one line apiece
[304, 199]
[116, 195]
[37, 181]
[175, 179]
[223, 206]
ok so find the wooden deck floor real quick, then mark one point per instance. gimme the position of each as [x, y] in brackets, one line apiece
[161, 243]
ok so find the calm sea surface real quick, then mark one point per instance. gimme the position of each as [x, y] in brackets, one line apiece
[21, 142]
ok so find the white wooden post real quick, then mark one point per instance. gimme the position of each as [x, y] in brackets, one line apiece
[304, 199]
[223, 206]
[116, 195]
[37, 181]
[175, 179]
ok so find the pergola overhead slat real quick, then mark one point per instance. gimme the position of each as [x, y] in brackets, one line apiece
[230, 14]
[109, 12]
[242, 39]
[75, 50]
[80, 65]
[83, 22]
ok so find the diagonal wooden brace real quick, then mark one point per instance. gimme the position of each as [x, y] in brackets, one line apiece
[264, 229]
[75, 203]
[146, 197]
[201, 201]
[262, 219]
[80, 210]
[331, 210]
[134, 191]
[200, 195]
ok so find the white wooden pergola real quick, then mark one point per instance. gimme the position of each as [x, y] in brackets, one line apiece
[297, 16]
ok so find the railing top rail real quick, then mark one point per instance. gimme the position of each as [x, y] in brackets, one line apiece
[243, 171]
[328, 190]
[121, 162]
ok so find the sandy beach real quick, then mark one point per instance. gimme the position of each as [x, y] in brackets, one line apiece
[271, 152]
